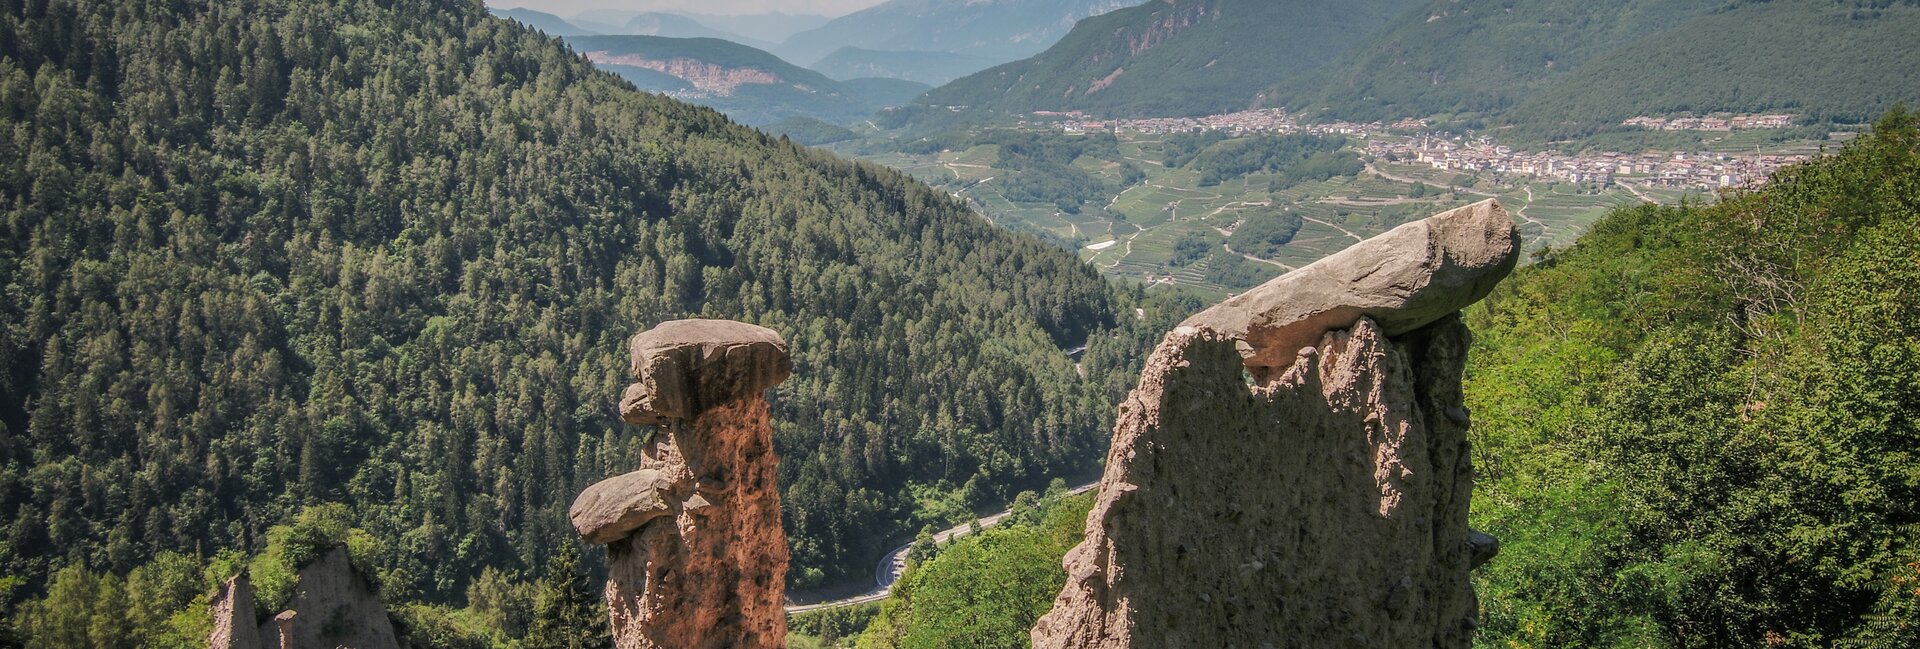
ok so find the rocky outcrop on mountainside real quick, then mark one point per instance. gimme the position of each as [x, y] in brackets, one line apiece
[714, 79]
[233, 624]
[333, 606]
[696, 554]
[1293, 468]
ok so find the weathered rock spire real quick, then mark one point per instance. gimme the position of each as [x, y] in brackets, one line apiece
[1293, 470]
[696, 555]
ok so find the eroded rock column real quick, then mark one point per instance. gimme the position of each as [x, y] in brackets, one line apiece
[232, 611]
[696, 554]
[1293, 468]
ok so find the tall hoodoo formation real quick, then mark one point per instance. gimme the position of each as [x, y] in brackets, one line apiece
[232, 608]
[333, 606]
[696, 555]
[1293, 470]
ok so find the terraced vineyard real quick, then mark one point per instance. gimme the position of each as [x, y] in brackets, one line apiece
[1135, 231]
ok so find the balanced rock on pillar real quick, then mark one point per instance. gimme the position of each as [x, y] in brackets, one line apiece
[1322, 504]
[696, 555]
[1404, 279]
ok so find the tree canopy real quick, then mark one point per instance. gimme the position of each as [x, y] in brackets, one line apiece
[261, 255]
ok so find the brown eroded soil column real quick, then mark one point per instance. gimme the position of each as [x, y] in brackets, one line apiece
[696, 554]
[1293, 468]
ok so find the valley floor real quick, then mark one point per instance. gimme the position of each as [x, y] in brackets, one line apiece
[1132, 231]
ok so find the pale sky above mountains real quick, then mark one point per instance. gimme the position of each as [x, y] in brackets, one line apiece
[567, 8]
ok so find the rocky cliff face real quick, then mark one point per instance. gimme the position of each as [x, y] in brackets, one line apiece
[1293, 470]
[710, 78]
[696, 554]
[336, 607]
[333, 607]
[234, 626]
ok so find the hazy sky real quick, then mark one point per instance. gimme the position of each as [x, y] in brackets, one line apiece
[567, 8]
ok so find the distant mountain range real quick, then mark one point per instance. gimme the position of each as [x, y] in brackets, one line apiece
[1554, 62]
[656, 23]
[546, 22]
[996, 30]
[932, 68]
[758, 30]
[751, 86]
[925, 41]
[773, 27]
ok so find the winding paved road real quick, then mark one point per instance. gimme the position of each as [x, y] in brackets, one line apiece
[890, 566]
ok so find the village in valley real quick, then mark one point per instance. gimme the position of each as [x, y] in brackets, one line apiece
[1410, 141]
[1132, 215]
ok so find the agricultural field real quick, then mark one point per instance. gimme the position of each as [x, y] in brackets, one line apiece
[1162, 225]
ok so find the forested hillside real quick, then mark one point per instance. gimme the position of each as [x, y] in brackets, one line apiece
[1479, 56]
[1573, 66]
[1697, 427]
[1845, 62]
[546, 22]
[1175, 58]
[261, 255]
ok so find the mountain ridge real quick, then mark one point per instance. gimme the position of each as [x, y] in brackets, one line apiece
[1170, 57]
[999, 30]
[752, 86]
[1567, 66]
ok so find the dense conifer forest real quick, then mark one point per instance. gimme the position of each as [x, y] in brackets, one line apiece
[263, 256]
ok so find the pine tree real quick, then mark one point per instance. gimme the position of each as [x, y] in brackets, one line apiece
[566, 612]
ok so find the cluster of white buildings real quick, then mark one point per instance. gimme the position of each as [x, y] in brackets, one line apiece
[1470, 155]
[1736, 122]
[1269, 120]
[1676, 169]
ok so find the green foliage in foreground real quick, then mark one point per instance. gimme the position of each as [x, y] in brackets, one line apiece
[164, 603]
[987, 590]
[1698, 426]
[160, 605]
[833, 627]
